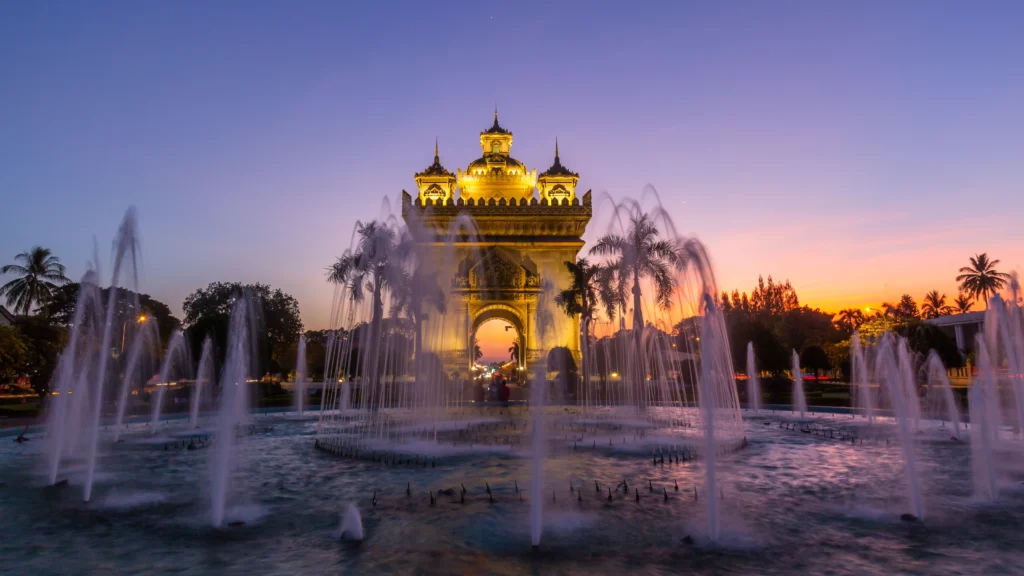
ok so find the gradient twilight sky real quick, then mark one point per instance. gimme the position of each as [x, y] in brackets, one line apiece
[859, 149]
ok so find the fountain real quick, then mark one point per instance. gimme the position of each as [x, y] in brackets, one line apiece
[351, 524]
[799, 400]
[657, 407]
[142, 348]
[405, 412]
[892, 376]
[125, 245]
[204, 377]
[369, 407]
[940, 392]
[719, 405]
[233, 413]
[860, 380]
[753, 384]
[538, 395]
[300, 376]
[985, 434]
[1005, 343]
[176, 359]
[538, 401]
[908, 378]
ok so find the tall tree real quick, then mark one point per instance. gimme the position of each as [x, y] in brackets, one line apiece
[13, 353]
[45, 341]
[374, 267]
[902, 311]
[513, 351]
[773, 299]
[815, 359]
[981, 279]
[963, 303]
[414, 288]
[934, 305]
[580, 299]
[806, 326]
[611, 291]
[129, 305]
[208, 312]
[642, 253]
[39, 274]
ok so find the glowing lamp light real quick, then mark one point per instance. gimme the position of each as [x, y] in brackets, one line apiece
[615, 374]
[142, 317]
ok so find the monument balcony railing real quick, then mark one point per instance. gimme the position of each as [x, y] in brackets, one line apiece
[529, 283]
[530, 205]
[471, 178]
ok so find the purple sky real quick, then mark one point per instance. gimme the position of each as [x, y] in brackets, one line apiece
[860, 149]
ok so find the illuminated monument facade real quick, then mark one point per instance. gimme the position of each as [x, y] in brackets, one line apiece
[498, 233]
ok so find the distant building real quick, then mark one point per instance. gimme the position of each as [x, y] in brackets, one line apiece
[6, 318]
[962, 327]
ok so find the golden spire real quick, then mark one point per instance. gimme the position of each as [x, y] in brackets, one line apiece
[436, 155]
[495, 112]
[556, 147]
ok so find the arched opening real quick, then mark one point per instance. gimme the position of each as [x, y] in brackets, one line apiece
[499, 343]
[494, 338]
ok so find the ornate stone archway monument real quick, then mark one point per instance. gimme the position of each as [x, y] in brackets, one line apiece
[497, 235]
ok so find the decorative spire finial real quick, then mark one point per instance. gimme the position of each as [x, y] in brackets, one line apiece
[495, 112]
[435, 148]
[556, 147]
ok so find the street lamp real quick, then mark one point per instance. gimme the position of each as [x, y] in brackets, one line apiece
[141, 319]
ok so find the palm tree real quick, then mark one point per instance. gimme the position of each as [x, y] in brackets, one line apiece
[371, 268]
[40, 274]
[850, 319]
[888, 310]
[611, 291]
[580, 299]
[374, 267]
[513, 351]
[963, 303]
[641, 253]
[414, 288]
[981, 279]
[934, 305]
